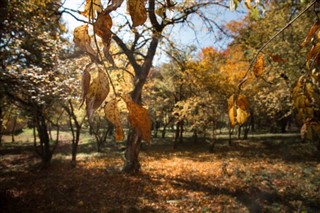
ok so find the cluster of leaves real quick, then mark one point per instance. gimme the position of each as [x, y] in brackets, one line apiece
[95, 90]
[306, 92]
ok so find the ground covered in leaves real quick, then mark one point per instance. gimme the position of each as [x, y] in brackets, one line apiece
[257, 175]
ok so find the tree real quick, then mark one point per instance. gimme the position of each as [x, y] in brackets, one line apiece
[29, 49]
[141, 49]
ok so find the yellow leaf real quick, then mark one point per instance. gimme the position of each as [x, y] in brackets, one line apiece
[137, 12]
[232, 116]
[82, 40]
[242, 116]
[139, 119]
[85, 83]
[259, 66]
[91, 8]
[98, 91]
[112, 114]
[248, 4]
[230, 102]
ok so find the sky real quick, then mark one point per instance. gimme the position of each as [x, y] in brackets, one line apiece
[180, 33]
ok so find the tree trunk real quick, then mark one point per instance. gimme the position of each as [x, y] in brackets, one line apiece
[75, 143]
[213, 137]
[230, 133]
[177, 134]
[13, 130]
[45, 152]
[1, 127]
[239, 131]
[132, 164]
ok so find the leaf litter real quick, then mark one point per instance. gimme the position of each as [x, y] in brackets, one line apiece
[190, 179]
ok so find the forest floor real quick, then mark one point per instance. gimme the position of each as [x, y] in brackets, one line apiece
[267, 174]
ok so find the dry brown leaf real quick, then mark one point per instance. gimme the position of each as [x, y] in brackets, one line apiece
[137, 11]
[96, 8]
[102, 27]
[139, 119]
[112, 114]
[82, 40]
[310, 34]
[85, 83]
[98, 91]
[314, 52]
[242, 102]
[278, 59]
[259, 66]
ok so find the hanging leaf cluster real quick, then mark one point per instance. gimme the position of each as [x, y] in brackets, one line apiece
[312, 42]
[95, 90]
[306, 99]
[238, 109]
[306, 93]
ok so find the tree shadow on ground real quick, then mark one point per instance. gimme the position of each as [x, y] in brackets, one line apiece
[289, 149]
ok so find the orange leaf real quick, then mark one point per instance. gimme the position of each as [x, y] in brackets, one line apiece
[139, 119]
[278, 59]
[259, 66]
[137, 12]
[112, 114]
[242, 102]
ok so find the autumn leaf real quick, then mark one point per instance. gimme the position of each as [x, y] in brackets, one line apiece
[231, 110]
[310, 34]
[242, 102]
[259, 66]
[137, 12]
[313, 52]
[85, 83]
[242, 116]
[102, 27]
[238, 110]
[96, 8]
[98, 91]
[277, 58]
[112, 114]
[139, 119]
[248, 4]
[82, 40]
